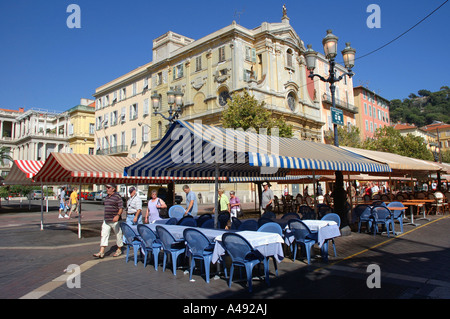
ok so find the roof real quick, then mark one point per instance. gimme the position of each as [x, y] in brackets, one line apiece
[395, 161]
[93, 169]
[192, 149]
[22, 172]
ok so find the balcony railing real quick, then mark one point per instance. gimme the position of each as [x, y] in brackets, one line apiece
[114, 150]
[344, 105]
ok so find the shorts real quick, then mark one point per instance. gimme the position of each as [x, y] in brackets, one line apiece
[61, 206]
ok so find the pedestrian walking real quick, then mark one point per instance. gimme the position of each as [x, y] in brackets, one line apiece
[154, 205]
[191, 202]
[73, 201]
[134, 208]
[235, 205]
[62, 202]
[113, 214]
[267, 198]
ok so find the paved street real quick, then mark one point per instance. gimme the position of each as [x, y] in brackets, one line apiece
[32, 263]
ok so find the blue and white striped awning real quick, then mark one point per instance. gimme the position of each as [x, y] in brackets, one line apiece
[192, 149]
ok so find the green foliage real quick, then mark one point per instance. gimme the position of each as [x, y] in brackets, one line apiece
[245, 112]
[387, 139]
[422, 109]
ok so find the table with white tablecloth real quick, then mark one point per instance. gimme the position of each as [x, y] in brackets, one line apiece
[268, 244]
[325, 230]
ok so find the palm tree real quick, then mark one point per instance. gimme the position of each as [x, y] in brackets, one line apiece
[4, 154]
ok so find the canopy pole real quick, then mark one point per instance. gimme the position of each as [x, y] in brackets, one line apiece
[349, 191]
[79, 216]
[216, 198]
[314, 192]
[42, 207]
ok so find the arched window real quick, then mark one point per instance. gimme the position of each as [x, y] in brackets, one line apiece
[224, 95]
[289, 58]
[291, 101]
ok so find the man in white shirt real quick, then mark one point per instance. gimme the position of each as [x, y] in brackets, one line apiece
[134, 208]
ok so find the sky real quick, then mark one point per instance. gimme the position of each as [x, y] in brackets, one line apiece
[45, 64]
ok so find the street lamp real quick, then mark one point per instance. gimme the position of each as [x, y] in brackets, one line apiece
[174, 97]
[330, 48]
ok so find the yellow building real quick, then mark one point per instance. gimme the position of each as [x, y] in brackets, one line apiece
[81, 128]
[268, 61]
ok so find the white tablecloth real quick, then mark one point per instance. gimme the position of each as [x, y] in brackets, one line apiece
[325, 230]
[268, 244]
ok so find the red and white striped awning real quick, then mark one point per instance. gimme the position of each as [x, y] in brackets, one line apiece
[98, 169]
[22, 172]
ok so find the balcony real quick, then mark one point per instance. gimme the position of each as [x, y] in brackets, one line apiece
[345, 106]
[114, 150]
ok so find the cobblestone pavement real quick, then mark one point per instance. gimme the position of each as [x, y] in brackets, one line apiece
[33, 262]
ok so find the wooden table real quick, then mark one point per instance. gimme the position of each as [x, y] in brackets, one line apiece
[423, 202]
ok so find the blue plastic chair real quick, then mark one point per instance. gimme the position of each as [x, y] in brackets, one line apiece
[187, 221]
[176, 211]
[223, 219]
[323, 209]
[171, 221]
[264, 220]
[335, 218]
[170, 247]
[397, 215]
[272, 228]
[249, 224]
[235, 223]
[150, 244]
[363, 214]
[202, 218]
[243, 255]
[268, 215]
[381, 215]
[200, 248]
[303, 237]
[306, 212]
[208, 224]
[132, 240]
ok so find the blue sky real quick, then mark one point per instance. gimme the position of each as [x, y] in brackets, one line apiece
[44, 64]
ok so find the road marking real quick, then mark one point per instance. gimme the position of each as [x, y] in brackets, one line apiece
[380, 244]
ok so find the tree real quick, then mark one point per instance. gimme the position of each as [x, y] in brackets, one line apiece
[4, 154]
[245, 112]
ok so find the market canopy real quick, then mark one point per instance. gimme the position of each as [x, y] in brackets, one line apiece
[398, 163]
[95, 169]
[22, 172]
[196, 150]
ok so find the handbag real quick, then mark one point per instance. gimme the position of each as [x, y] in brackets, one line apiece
[162, 211]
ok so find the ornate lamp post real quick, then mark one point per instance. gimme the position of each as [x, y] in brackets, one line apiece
[174, 98]
[330, 48]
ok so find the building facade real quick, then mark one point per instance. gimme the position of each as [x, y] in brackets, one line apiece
[81, 128]
[267, 61]
[442, 132]
[373, 111]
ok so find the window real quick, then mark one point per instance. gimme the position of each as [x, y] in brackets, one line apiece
[91, 151]
[134, 88]
[133, 111]
[365, 108]
[159, 78]
[367, 125]
[145, 131]
[178, 71]
[222, 54]
[105, 120]
[250, 54]
[291, 101]
[223, 97]
[145, 87]
[114, 97]
[122, 114]
[198, 63]
[113, 118]
[133, 136]
[91, 128]
[145, 107]
[289, 57]
[371, 126]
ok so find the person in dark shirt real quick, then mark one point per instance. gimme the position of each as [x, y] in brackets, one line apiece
[113, 214]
